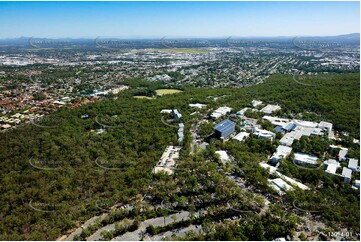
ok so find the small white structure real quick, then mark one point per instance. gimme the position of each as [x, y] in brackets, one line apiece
[280, 185]
[223, 156]
[256, 103]
[342, 154]
[305, 159]
[264, 134]
[242, 112]
[265, 166]
[353, 164]
[326, 125]
[177, 114]
[331, 169]
[346, 174]
[331, 166]
[270, 109]
[197, 105]
[281, 153]
[279, 239]
[220, 112]
[241, 136]
[59, 102]
[356, 185]
[166, 111]
[180, 133]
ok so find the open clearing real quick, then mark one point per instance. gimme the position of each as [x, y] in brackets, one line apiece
[161, 92]
[144, 97]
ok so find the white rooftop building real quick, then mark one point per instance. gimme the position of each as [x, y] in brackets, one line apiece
[256, 103]
[277, 121]
[197, 105]
[177, 114]
[270, 109]
[305, 159]
[281, 153]
[223, 156]
[331, 161]
[265, 166]
[220, 112]
[281, 184]
[346, 174]
[263, 134]
[331, 169]
[288, 139]
[327, 126]
[273, 170]
[241, 136]
[353, 164]
[342, 154]
[166, 111]
[242, 112]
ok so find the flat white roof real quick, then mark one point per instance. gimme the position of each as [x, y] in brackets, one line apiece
[197, 105]
[270, 108]
[277, 121]
[271, 169]
[331, 161]
[220, 112]
[241, 136]
[166, 111]
[293, 182]
[346, 172]
[264, 133]
[353, 164]
[324, 124]
[282, 184]
[255, 103]
[288, 138]
[308, 124]
[342, 153]
[331, 168]
[305, 158]
[282, 151]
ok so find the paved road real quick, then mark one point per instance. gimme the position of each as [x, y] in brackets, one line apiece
[179, 232]
[160, 221]
[85, 225]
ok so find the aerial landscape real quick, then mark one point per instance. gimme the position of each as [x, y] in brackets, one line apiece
[180, 121]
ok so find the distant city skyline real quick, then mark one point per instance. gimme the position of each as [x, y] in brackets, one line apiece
[177, 19]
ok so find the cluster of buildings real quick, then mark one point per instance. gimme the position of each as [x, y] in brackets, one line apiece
[291, 130]
[333, 167]
[295, 129]
[282, 184]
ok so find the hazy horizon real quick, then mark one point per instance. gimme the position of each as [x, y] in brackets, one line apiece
[177, 19]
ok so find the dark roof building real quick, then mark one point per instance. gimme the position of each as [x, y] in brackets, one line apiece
[225, 128]
[279, 129]
[290, 127]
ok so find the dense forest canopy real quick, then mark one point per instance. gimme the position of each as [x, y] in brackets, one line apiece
[66, 148]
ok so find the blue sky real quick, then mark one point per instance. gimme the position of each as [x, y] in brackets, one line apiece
[177, 19]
